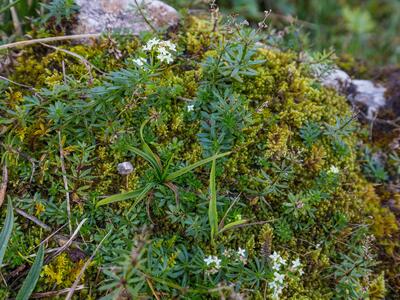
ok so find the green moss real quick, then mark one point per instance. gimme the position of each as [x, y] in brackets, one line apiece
[268, 152]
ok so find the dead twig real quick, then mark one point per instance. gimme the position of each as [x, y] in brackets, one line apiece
[33, 219]
[16, 83]
[3, 186]
[78, 278]
[152, 288]
[61, 239]
[67, 243]
[55, 293]
[64, 175]
[87, 64]
[50, 39]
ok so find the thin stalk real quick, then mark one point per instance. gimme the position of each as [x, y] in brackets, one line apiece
[64, 175]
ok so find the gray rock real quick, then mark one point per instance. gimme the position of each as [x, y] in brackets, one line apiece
[365, 92]
[336, 79]
[370, 94]
[96, 16]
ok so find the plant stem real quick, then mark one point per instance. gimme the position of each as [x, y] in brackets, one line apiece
[64, 174]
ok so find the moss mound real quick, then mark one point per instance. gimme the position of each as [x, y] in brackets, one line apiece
[296, 217]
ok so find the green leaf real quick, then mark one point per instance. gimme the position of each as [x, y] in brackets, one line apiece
[30, 282]
[233, 224]
[147, 148]
[212, 208]
[151, 159]
[184, 170]
[139, 193]
[6, 231]
[143, 194]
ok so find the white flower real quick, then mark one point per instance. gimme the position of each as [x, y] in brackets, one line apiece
[282, 261]
[334, 170]
[151, 43]
[213, 260]
[165, 57]
[273, 285]
[169, 45]
[301, 272]
[277, 292]
[276, 266]
[139, 61]
[217, 262]
[279, 277]
[209, 260]
[296, 263]
[163, 51]
[242, 252]
[190, 108]
[274, 256]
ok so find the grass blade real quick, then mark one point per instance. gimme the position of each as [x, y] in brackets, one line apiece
[233, 225]
[184, 170]
[152, 160]
[30, 282]
[140, 197]
[147, 148]
[212, 208]
[6, 231]
[139, 193]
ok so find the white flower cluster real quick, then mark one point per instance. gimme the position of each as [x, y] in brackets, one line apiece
[278, 263]
[239, 255]
[333, 170]
[162, 48]
[214, 262]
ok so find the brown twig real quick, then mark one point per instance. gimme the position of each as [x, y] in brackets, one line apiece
[64, 175]
[152, 288]
[55, 293]
[60, 238]
[50, 39]
[33, 219]
[16, 83]
[3, 186]
[87, 64]
[67, 243]
[78, 278]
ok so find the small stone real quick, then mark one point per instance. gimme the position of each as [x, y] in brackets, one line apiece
[125, 168]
